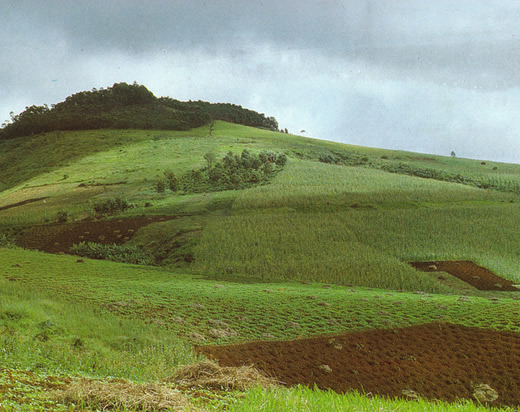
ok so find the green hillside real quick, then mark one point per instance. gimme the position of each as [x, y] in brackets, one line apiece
[323, 241]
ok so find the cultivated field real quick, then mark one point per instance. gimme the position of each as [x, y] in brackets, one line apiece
[317, 260]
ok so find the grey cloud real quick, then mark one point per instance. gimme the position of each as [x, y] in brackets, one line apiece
[469, 43]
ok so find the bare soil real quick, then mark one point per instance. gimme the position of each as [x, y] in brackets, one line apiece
[469, 272]
[58, 238]
[435, 361]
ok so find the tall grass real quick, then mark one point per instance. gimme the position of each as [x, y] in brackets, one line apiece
[304, 399]
[312, 185]
[347, 225]
[317, 247]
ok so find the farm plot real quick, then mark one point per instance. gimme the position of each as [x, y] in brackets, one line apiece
[436, 361]
[56, 238]
[469, 272]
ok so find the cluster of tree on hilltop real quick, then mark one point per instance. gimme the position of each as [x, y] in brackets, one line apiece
[127, 106]
[225, 111]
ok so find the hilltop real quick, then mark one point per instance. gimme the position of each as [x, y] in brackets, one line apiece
[125, 106]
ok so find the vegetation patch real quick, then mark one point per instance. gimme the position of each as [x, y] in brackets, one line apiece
[125, 106]
[56, 238]
[111, 206]
[488, 182]
[233, 172]
[116, 253]
[29, 390]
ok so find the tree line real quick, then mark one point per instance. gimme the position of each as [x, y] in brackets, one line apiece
[127, 106]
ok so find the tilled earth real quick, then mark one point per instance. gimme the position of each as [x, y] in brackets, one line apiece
[469, 272]
[436, 361]
[56, 238]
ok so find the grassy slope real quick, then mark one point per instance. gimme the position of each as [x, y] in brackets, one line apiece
[315, 222]
[66, 318]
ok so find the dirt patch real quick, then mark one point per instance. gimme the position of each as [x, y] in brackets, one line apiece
[435, 361]
[469, 272]
[56, 238]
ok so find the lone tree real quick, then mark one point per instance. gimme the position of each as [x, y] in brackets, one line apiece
[210, 158]
[453, 154]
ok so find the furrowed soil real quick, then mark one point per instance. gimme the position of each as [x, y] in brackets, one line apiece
[59, 238]
[469, 272]
[435, 361]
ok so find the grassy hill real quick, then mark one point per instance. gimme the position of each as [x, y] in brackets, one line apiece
[346, 217]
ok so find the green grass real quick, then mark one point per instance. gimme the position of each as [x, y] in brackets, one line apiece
[39, 332]
[250, 308]
[100, 319]
[309, 400]
[261, 255]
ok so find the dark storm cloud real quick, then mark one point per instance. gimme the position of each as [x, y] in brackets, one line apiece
[467, 43]
[419, 75]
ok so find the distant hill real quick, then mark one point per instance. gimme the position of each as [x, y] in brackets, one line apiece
[127, 106]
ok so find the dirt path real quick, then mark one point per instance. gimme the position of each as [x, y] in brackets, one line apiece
[436, 361]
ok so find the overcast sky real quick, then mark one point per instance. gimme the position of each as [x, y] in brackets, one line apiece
[420, 75]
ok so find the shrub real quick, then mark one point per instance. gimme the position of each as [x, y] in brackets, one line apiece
[112, 205]
[281, 160]
[160, 186]
[171, 180]
[62, 216]
[5, 241]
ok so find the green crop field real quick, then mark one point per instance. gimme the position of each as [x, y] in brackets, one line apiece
[322, 248]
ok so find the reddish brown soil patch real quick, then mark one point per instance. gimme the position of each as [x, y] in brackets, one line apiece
[439, 361]
[56, 238]
[469, 272]
[24, 202]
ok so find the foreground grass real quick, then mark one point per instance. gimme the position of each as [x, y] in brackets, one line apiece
[106, 320]
[40, 333]
[305, 399]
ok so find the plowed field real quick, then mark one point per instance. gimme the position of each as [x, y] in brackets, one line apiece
[469, 272]
[436, 361]
[56, 238]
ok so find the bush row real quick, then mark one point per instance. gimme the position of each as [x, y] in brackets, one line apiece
[482, 182]
[233, 172]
